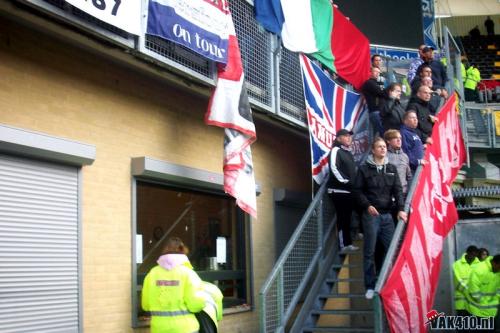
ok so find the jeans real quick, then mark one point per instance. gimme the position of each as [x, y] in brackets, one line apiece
[375, 125]
[379, 227]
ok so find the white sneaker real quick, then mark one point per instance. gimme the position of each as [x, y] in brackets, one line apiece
[369, 294]
[349, 249]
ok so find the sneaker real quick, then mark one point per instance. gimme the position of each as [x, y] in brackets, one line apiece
[369, 294]
[349, 249]
[359, 236]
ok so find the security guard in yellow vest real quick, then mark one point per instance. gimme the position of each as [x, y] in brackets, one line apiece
[461, 271]
[472, 78]
[483, 293]
[172, 292]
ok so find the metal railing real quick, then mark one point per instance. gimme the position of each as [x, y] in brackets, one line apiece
[480, 125]
[296, 265]
[390, 258]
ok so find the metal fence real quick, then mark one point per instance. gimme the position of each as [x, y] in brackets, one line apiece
[482, 126]
[260, 50]
[300, 258]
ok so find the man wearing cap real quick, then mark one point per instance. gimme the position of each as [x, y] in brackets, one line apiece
[342, 173]
[439, 76]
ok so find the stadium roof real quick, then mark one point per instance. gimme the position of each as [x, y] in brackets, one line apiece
[447, 8]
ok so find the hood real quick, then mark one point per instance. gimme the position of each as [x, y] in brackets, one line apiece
[371, 162]
[170, 261]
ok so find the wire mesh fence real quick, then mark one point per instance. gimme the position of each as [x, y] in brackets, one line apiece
[287, 281]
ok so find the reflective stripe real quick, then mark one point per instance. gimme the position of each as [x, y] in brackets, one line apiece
[492, 306]
[169, 313]
[333, 166]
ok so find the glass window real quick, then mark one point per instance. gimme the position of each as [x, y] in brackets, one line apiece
[212, 227]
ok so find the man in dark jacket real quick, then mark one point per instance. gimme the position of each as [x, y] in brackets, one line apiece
[373, 94]
[342, 173]
[375, 187]
[425, 118]
[439, 76]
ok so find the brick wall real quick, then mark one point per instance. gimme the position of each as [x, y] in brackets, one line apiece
[54, 88]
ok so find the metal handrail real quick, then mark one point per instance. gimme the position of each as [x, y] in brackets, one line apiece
[391, 255]
[275, 308]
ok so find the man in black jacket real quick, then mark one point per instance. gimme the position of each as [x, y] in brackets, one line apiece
[342, 173]
[376, 186]
[373, 94]
[439, 76]
[423, 110]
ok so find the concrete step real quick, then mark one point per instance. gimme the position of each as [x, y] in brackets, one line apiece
[341, 312]
[332, 295]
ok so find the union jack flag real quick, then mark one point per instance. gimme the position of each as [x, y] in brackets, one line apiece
[329, 108]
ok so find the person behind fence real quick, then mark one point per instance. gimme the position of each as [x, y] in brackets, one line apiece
[375, 187]
[438, 96]
[377, 62]
[483, 288]
[439, 76]
[461, 272]
[373, 94]
[411, 143]
[415, 64]
[472, 78]
[490, 26]
[425, 118]
[391, 110]
[398, 158]
[342, 173]
[172, 291]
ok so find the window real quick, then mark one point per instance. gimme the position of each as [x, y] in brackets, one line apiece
[203, 220]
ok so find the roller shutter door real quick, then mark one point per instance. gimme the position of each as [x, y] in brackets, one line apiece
[39, 278]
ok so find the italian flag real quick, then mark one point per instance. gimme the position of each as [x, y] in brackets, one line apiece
[318, 28]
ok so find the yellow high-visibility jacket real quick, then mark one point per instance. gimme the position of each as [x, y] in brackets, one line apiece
[472, 78]
[483, 293]
[172, 292]
[461, 273]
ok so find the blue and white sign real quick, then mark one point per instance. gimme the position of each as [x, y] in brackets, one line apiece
[428, 23]
[199, 25]
[394, 52]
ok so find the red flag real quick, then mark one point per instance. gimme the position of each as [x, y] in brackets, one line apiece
[351, 50]
[229, 108]
[408, 294]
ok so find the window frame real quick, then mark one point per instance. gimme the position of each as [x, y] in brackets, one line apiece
[148, 170]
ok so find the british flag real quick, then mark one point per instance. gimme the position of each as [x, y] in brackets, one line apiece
[329, 108]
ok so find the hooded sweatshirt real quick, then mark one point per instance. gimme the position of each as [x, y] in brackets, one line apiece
[402, 163]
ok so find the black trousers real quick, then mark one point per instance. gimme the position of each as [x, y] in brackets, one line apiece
[343, 203]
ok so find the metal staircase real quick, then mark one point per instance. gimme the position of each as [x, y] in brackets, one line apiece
[342, 307]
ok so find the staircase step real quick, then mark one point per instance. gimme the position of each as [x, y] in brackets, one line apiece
[341, 295]
[337, 266]
[341, 312]
[335, 280]
[336, 329]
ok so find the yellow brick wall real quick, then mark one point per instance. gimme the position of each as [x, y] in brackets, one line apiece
[51, 87]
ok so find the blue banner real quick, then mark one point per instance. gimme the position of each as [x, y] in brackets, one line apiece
[201, 26]
[428, 22]
[394, 53]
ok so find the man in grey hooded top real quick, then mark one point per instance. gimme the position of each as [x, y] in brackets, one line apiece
[398, 158]
[376, 185]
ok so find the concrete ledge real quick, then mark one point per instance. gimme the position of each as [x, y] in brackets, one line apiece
[38, 145]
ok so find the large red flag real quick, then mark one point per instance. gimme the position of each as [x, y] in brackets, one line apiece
[408, 294]
[351, 50]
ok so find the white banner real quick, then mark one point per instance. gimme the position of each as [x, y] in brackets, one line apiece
[123, 14]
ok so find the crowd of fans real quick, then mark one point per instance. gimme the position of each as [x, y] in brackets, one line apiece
[399, 133]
